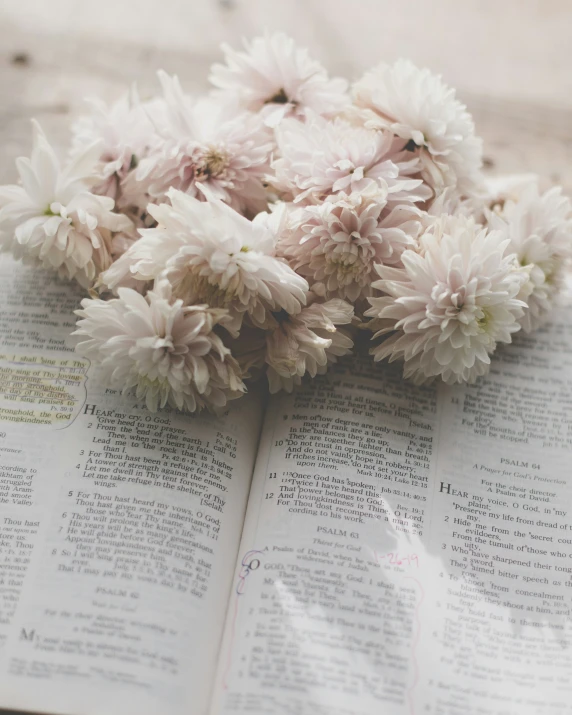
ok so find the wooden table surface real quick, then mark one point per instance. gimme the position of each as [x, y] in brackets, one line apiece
[510, 60]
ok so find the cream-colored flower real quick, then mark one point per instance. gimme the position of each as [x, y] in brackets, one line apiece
[53, 218]
[211, 254]
[306, 343]
[450, 304]
[323, 157]
[160, 350]
[277, 78]
[539, 227]
[207, 143]
[125, 133]
[417, 106]
[336, 244]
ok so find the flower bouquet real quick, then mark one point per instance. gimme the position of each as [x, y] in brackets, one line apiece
[251, 232]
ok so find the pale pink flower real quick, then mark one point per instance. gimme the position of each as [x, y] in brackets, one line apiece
[276, 77]
[211, 254]
[490, 195]
[158, 349]
[54, 219]
[206, 142]
[450, 305]
[539, 227]
[336, 244]
[417, 106]
[323, 157]
[125, 133]
[497, 190]
[450, 202]
[306, 343]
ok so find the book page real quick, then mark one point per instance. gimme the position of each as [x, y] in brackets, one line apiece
[409, 549]
[119, 528]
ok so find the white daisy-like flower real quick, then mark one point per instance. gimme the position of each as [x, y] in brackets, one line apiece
[155, 347]
[276, 77]
[418, 106]
[323, 157]
[490, 195]
[450, 304]
[211, 254]
[497, 190]
[336, 244]
[450, 202]
[539, 227]
[53, 218]
[125, 133]
[206, 142]
[306, 343]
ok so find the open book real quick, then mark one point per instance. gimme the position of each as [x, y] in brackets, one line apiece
[362, 546]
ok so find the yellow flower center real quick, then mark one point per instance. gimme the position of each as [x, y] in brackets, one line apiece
[195, 288]
[214, 162]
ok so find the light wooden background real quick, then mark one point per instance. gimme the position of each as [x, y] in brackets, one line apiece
[511, 60]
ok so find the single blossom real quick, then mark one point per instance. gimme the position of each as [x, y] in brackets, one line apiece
[53, 218]
[160, 350]
[276, 77]
[491, 195]
[206, 143]
[450, 304]
[125, 133]
[497, 190]
[418, 106]
[324, 157]
[336, 244]
[539, 228]
[306, 343]
[211, 254]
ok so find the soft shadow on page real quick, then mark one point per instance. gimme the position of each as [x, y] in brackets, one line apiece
[409, 550]
[119, 529]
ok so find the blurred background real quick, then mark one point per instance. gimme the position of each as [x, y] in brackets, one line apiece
[510, 60]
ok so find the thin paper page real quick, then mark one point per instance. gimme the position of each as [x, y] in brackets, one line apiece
[408, 550]
[502, 512]
[118, 529]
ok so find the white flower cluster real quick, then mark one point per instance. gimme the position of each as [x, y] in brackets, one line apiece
[253, 230]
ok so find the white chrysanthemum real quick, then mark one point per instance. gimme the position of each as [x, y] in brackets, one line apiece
[53, 218]
[539, 227]
[125, 133]
[450, 202]
[162, 351]
[323, 157]
[306, 343]
[336, 244]
[211, 254]
[417, 106]
[206, 142]
[275, 76]
[509, 187]
[490, 195]
[449, 305]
